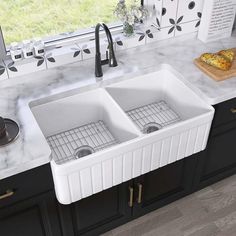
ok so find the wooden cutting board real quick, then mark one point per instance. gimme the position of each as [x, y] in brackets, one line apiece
[214, 73]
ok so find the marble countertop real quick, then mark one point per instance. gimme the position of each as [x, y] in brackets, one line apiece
[31, 149]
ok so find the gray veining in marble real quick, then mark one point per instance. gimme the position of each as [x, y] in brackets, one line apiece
[31, 149]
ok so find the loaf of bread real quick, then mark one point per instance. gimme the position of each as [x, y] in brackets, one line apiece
[216, 60]
[227, 54]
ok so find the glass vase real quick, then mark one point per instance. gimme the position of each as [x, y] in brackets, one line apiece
[128, 29]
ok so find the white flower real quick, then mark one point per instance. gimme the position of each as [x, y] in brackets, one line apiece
[130, 18]
[131, 15]
[137, 13]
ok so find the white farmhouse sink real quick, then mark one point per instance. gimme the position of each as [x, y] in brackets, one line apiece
[102, 137]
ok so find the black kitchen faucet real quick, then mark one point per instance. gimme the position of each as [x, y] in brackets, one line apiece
[110, 57]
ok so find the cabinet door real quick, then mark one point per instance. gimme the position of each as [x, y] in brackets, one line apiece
[219, 159]
[163, 185]
[98, 213]
[33, 217]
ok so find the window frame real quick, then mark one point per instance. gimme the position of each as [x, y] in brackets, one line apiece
[76, 36]
[80, 35]
[3, 50]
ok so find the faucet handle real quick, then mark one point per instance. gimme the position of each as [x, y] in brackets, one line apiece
[107, 54]
[106, 60]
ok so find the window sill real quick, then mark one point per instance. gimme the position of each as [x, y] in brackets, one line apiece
[83, 48]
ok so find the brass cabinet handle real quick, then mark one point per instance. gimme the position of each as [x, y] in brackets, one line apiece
[140, 190]
[233, 110]
[131, 196]
[7, 194]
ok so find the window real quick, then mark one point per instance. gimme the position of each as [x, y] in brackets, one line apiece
[26, 19]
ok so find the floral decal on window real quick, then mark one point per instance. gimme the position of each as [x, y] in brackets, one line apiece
[85, 49]
[142, 35]
[2, 70]
[118, 41]
[157, 24]
[199, 14]
[40, 60]
[11, 67]
[175, 25]
[77, 51]
[50, 58]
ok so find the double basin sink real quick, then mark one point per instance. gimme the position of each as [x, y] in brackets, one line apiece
[105, 136]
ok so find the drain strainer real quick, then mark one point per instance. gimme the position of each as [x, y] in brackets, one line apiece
[83, 151]
[151, 127]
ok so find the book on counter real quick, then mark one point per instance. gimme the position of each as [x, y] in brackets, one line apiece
[217, 20]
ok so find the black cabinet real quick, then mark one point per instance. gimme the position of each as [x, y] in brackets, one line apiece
[28, 205]
[115, 206]
[97, 213]
[32, 209]
[35, 216]
[219, 159]
[25, 185]
[160, 187]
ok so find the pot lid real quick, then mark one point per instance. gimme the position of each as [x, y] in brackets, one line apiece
[9, 131]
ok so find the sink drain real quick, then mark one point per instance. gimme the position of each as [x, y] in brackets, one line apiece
[151, 127]
[83, 151]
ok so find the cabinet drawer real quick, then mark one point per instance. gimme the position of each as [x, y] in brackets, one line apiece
[25, 185]
[225, 112]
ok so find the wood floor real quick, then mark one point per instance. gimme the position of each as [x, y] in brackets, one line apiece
[209, 212]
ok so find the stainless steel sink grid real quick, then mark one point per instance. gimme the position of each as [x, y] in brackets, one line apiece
[158, 113]
[65, 145]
